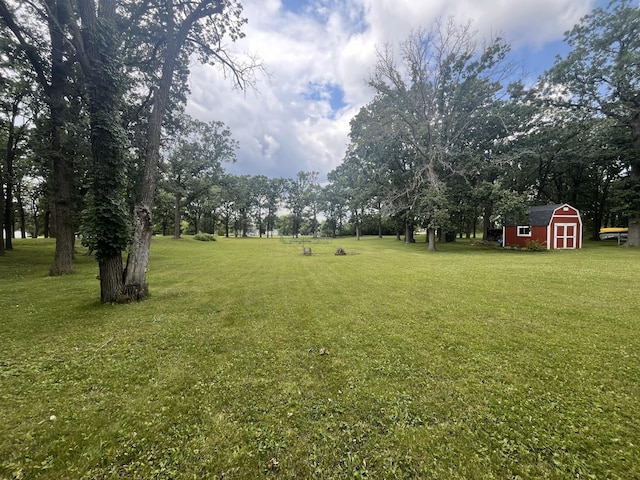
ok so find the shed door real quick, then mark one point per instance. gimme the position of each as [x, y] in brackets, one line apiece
[565, 235]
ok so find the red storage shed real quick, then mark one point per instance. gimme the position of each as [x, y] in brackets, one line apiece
[556, 226]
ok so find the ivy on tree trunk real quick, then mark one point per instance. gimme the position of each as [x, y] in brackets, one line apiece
[101, 65]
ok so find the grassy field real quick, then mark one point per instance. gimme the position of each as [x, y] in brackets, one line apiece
[250, 360]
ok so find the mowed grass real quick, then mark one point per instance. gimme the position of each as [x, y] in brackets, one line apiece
[250, 360]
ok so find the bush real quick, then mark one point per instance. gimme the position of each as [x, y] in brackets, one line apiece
[204, 237]
[535, 246]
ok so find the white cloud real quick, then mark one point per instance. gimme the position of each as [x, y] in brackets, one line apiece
[288, 124]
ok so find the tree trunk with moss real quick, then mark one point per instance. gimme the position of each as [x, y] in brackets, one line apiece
[100, 61]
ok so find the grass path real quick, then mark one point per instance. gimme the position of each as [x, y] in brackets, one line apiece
[251, 360]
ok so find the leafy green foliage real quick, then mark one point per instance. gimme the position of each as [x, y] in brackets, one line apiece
[601, 74]
[251, 360]
[535, 246]
[193, 164]
[204, 237]
[427, 127]
[301, 195]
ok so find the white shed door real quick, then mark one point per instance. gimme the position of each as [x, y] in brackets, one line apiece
[565, 235]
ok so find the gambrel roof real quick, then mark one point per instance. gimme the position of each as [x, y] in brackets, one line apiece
[539, 215]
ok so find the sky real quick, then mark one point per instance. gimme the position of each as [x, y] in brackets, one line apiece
[318, 54]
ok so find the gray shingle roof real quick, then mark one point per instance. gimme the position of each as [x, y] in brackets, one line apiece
[541, 215]
[538, 216]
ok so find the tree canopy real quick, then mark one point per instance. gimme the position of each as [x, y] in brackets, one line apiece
[601, 75]
[103, 146]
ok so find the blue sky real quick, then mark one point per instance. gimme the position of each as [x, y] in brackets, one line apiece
[318, 54]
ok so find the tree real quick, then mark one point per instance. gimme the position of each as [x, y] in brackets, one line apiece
[447, 83]
[275, 189]
[378, 165]
[601, 74]
[334, 206]
[300, 195]
[202, 212]
[95, 37]
[353, 180]
[232, 202]
[260, 190]
[52, 64]
[15, 137]
[183, 28]
[194, 163]
[157, 39]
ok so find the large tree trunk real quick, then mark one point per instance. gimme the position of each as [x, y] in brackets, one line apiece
[62, 227]
[54, 89]
[46, 227]
[111, 279]
[408, 232]
[138, 259]
[431, 236]
[61, 164]
[102, 66]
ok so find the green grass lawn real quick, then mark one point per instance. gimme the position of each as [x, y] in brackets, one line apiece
[250, 360]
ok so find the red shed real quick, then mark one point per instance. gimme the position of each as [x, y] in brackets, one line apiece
[556, 226]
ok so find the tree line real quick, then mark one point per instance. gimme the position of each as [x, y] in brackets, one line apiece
[95, 139]
[451, 138]
[100, 83]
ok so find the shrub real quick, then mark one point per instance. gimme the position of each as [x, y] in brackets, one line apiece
[204, 237]
[535, 246]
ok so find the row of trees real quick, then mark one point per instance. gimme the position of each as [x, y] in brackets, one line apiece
[444, 142]
[99, 82]
[92, 95]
